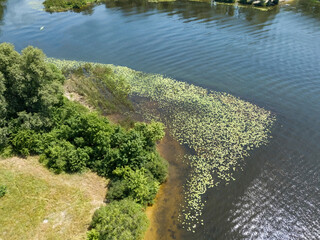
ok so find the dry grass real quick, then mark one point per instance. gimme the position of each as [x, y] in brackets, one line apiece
[42, 205]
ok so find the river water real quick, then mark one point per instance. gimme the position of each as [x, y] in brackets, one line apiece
[270, 58]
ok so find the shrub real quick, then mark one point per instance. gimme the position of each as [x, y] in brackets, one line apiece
[152, 132]
[4, 131]
[127, 148]
[136, 185]
[26, 142]
[3, 102]
[157, 166]
[117, 190]
[3, 190]
[62, 156]
[123, 220]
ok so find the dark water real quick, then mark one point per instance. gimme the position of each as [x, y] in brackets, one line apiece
[270, 58]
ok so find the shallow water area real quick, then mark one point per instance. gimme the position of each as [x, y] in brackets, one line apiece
[270, 58]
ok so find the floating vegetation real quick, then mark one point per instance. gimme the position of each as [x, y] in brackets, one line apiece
[221, 130]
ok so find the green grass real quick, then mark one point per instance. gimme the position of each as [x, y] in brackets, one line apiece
[99, 88]
[41, 205]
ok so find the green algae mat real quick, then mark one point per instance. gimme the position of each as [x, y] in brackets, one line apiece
[219, 128]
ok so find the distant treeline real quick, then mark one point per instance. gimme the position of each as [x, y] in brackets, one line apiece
[65, 5]
[82, 5]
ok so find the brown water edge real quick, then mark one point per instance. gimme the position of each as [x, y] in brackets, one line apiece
[163, 215]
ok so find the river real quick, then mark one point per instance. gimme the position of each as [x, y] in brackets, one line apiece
[270, 58]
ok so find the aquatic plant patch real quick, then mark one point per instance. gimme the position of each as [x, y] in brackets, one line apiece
[220, 128]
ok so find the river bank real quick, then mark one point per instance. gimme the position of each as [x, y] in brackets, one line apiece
[163, 215]
[219, 129]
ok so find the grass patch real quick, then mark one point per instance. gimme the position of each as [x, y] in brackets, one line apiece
[41, 205]
[99, 88]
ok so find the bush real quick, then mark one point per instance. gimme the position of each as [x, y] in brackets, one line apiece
[26, 142]
[152, 132]
[3, 190]
[4, 132]
[127, 148]
[117, 190]
[123, 220]
[135, 185]
[3, 102]
[157, 166]
[62, 156]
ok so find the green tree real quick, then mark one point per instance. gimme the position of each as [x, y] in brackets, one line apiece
[3, 113]
[3, 102]
[30, 84]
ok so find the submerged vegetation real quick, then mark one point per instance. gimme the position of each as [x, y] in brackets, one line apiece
[221, 130]
[37, 119]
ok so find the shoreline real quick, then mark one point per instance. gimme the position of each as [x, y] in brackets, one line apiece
[163, 215]
[215, 126]
[163, 220]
